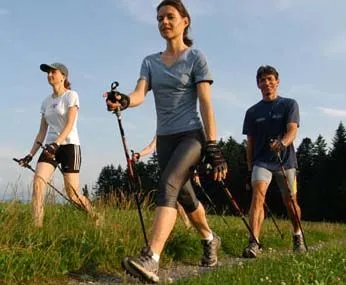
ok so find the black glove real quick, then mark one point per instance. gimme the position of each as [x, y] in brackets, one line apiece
[25, 160]
[248, 185]
[214, 157]
[51, 149]
[117, 97]
[135, 156]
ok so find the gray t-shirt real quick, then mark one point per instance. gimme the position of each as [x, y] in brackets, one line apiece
[175, 90]
[268, 120]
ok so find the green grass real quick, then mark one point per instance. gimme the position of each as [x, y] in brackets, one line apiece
[325, 266]
[69, 242]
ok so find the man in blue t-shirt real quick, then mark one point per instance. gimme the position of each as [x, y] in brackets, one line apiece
[271, 127]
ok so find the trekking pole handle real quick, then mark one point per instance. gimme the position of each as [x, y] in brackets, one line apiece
[114, 85]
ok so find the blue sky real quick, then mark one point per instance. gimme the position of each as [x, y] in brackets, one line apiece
[102, 41]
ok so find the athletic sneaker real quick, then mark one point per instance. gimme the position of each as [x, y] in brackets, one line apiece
[251, 250]
[210, 249]
[298, 243]
[143, 267]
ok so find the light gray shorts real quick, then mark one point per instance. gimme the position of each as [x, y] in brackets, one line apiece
[263, 174]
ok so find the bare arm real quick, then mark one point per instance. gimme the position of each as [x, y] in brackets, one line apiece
[138, 95]
[206, 109]
[287, 139]
[40, 136]
[208, 117]
[71, 117]
[150, 148]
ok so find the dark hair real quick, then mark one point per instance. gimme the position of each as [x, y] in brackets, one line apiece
[179, 6]
[67, 84]
[266, 70]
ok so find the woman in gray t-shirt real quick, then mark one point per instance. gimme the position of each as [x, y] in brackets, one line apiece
[178, 77]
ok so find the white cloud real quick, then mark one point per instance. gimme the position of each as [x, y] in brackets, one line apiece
[333, 112]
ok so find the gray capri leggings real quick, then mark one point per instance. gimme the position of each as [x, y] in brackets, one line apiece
[177, 154]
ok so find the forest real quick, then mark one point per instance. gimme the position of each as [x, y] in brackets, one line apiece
[321, 180]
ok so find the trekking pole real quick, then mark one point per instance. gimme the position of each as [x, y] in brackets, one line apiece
[53, 187]
[272, 218]
[292, 201]
[130, 171]
[240, 212]
[137, 178]
[248, 187]
[81, 205]
[195, 173]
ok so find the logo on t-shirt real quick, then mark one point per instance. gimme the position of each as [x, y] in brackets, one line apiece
[53, 106]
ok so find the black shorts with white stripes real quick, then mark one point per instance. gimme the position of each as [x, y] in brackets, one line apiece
[68, 156]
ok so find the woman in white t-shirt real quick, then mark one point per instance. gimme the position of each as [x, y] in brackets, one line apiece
[62, 148]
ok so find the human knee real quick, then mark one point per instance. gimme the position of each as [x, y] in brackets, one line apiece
[167, 195]
[189, 205]
[166, 199]
[39, 183]
[258, 198]
[288, 199]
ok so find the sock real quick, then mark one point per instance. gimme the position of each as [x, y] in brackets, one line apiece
[299, 232]
[156, 257]
[209, 237]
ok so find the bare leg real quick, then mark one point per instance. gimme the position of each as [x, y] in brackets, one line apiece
[71, 181]
[290, 203]
[183, 216]
[199, 220]
[43, 173]
[164, 222]
[256, 218]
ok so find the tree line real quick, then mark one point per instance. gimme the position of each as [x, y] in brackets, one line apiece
[321, 180]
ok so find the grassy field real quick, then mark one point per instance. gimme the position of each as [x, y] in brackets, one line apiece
[71, 243]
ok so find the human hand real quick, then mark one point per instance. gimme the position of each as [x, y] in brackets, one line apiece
[116, 100]
[25, 160]
[214, 156]
[277, 145]
[135, 156]
[51, 149]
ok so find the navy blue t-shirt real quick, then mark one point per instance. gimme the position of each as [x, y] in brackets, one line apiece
[268, 120]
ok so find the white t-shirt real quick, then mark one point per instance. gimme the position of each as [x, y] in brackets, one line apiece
[54, 111]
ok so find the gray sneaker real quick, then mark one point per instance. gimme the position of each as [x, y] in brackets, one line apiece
[210, 249]
[298, 243]
[143, 267]
[251, 250]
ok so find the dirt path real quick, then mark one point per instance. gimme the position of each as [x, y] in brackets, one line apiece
[181, 270]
